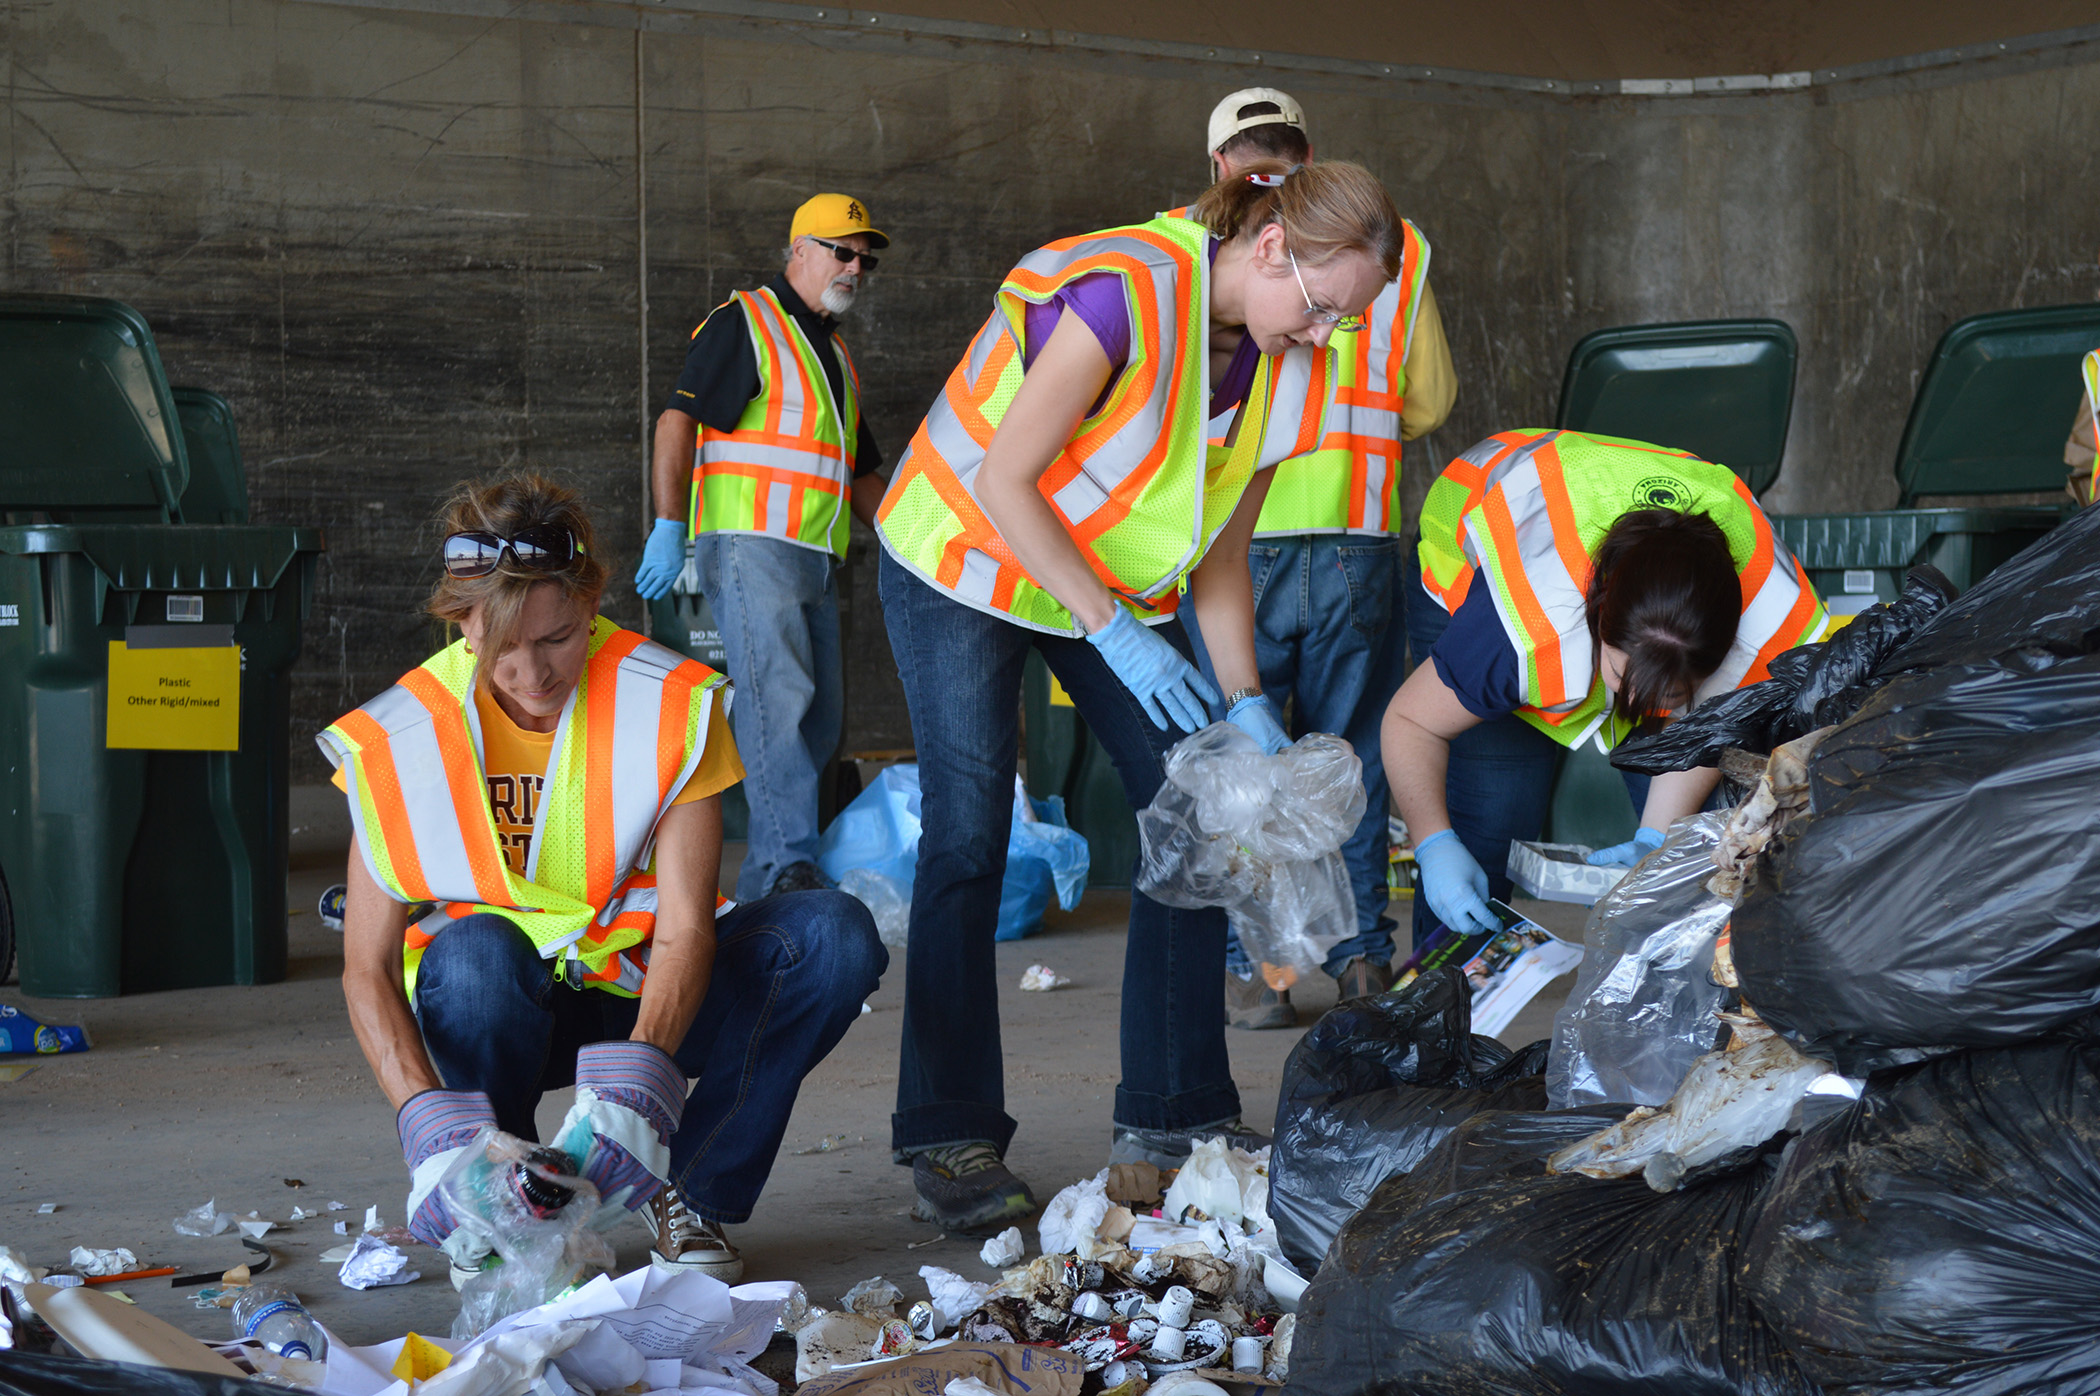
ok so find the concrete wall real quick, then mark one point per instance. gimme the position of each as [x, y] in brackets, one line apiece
[406, 243]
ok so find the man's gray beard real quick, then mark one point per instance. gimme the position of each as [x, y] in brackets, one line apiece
[838, 298]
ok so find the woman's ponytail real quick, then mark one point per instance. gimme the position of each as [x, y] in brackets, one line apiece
[1326, 209]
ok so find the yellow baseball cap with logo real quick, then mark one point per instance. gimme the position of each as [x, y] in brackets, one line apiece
[834, 216]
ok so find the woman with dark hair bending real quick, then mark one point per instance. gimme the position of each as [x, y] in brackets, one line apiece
[533, 904]
[1573, 587]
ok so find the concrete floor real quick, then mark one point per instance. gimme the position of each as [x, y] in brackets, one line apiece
[227, 1093]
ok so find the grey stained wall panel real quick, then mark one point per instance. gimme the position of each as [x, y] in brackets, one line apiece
[403, 239]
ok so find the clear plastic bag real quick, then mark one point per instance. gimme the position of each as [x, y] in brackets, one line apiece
[1260, 836]
[505, 1200]
[887, 900]
[1642, 1011]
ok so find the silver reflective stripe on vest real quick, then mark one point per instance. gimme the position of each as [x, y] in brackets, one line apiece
[1559, 595]
[419, 769]
[637, 803]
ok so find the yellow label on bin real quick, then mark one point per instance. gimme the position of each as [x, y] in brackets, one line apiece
[175, 699]
[1058, 697]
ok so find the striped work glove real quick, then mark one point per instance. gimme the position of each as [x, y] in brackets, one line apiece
[629, 1096]
[436, 1128]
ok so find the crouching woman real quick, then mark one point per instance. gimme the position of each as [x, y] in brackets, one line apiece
[533, 902]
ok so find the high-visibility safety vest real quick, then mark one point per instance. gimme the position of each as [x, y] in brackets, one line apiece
[630, 737]
[1344, 474]
[1527, 510]
[1135, 486]
[787, 469]
[2091, 367]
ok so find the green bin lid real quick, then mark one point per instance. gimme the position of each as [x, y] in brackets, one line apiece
[1721, 389]
[86, 419]
[218, 490]
[1997, 400]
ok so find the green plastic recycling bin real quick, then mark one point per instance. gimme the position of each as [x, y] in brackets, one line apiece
[1065, 759]
[218, 487]
[145, 733]
[1721, 389]
[1989, 418]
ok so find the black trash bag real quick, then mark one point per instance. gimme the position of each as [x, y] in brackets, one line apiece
[1492, 1148]
[45, 1374]
[1371, 1089]
[1943, 890]
[1941, 1235]
[1811, 686]
[1540, 1286]
[2046, 601]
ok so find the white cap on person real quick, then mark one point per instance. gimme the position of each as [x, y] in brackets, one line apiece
[1227, 122]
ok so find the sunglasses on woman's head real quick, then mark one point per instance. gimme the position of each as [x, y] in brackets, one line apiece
[541, 548]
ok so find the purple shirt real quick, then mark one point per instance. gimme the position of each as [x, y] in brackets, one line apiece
[1098, 300]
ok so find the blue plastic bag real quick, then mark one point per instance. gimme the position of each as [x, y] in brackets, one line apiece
[879, 831]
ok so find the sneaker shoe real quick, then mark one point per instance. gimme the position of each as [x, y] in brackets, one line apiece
[1363, 978]
[1251, 1004]
[800, 877]
[967, 1188]
[330, 908]
[1170, 1148]
[686, 1241]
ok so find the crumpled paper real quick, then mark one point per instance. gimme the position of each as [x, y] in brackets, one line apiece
[1223, 1182]
[1072, 1222]
[372, 1263]
[91, 1262]
[954, 1297]
[1006, 1249]
[1039, 979]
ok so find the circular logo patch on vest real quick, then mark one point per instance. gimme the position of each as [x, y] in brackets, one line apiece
[1659, 492]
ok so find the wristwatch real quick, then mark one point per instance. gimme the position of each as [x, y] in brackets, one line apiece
[1232, 699]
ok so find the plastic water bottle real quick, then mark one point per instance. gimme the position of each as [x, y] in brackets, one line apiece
[276, 1319]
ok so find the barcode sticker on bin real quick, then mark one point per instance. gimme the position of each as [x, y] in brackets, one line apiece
[186, 608]
[1859, 581]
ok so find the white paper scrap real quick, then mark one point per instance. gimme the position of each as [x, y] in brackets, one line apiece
[372, 1263]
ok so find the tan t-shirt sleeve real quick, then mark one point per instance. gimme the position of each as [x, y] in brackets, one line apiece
[1432, 384]
[720, 766]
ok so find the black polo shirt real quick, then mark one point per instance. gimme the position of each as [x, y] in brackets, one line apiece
[721, 369]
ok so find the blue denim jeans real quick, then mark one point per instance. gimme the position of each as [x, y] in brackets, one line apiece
[790, 974]
[1324, 635]
[962, 678]
[778, 607]
[1499, 785]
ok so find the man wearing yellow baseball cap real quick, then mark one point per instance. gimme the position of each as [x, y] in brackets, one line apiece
[760, 453]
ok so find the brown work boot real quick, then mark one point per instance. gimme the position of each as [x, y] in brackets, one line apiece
[686, 1241]
[1363, 978]
[1250, 1003]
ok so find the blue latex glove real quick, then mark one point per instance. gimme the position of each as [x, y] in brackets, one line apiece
[1624, 855]
[1454, 883]
[629, 1097]
[663, 558]
[436, 1127]
[1170, 689]
[1254, 716]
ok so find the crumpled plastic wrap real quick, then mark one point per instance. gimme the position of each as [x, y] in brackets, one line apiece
[887, 900]
[1222, 1182]
[1260, 836]
[1730, 1103]
[1642, 1010]
[540, 1256]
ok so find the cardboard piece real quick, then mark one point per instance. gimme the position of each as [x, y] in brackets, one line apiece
[1009, 1368]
